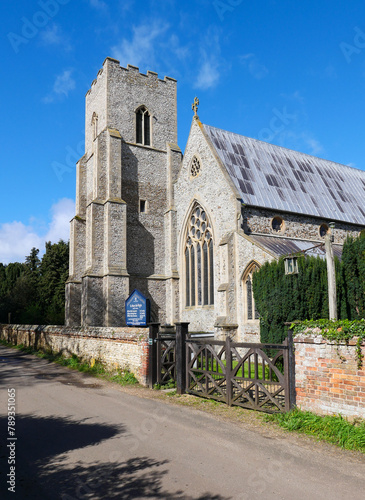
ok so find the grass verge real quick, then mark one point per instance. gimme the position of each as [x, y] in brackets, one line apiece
[94, 367]
[334, 429]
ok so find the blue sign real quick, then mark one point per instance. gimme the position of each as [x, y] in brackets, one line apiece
[137, 309]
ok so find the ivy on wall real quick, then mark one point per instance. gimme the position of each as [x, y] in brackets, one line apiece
[341, 331]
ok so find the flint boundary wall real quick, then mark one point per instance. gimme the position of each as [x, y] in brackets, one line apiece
[327, 377]
[125, 347]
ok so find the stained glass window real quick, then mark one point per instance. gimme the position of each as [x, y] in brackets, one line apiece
[250, 310]
[199, 265]
[249, 297]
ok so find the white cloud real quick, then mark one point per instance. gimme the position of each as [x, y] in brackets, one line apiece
[180, 51]
[208, 75]
[17, 239]
[62, 213]
[315, 146]
[53, 35]
[98, 4]
[255, 68]
[63, 84]
[210, 61]
[142, 48]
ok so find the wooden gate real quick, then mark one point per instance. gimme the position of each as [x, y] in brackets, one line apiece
[255, 376]
[162, 354]
[166, 359]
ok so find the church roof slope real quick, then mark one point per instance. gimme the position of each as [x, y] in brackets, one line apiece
[274, 177]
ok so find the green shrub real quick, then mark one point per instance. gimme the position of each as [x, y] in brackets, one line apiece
[284, 298]
[281, 298]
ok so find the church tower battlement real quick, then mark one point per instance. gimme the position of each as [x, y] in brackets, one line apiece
[122, 236]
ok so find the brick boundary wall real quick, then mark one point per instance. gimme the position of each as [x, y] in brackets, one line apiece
[328, 380]
[125, 347]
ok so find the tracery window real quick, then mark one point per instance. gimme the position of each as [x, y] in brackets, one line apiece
[195, 167]
[143, 126]
[250, 310]
[199, 261]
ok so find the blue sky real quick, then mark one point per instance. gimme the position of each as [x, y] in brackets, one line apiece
[290, 73]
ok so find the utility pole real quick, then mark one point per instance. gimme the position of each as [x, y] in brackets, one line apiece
[331, 275]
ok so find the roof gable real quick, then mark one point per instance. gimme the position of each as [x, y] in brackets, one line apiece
[273, 177]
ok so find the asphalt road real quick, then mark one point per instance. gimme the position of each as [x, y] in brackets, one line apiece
[81, 438]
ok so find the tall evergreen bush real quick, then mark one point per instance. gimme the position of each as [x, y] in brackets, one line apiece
[284, 298]
[353, 274]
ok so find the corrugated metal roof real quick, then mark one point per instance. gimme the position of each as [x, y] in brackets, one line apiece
[287, 246]
[273, 177]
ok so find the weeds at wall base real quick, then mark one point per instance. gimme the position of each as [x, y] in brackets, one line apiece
[334, 429]
[95, 368]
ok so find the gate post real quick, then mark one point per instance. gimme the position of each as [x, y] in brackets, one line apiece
[180, 359]
[152, 354]
[229, 371]
[291, 370]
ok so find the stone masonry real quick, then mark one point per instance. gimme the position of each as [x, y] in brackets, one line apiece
[116, 348]
[115, 247]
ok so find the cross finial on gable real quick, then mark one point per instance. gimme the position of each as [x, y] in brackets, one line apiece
[194, 107]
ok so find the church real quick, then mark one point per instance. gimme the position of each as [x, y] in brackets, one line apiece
[189, 230]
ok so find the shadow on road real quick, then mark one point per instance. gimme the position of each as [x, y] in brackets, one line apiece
[139, 477]
[43, 471]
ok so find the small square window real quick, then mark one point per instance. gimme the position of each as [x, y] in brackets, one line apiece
[291, 265]
[142, 206]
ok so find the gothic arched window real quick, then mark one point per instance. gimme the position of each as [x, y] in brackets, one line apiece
[199, 264]
[143, 126]
[250, 312]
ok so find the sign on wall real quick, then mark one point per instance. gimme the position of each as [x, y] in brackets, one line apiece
[137, 309]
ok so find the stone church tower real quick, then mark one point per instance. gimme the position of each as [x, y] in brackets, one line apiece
[122, 236]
